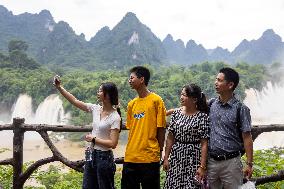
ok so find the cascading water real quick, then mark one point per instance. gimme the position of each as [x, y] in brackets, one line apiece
[23, 108]
[50, 112]
[267, 107]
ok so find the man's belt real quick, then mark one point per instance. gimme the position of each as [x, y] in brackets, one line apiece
[225, 156]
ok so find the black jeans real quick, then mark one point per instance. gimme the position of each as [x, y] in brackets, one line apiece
[146, 174]
[99, 172]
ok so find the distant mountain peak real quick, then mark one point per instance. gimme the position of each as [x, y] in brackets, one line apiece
[46, 13]
[191, 43]
[270, 35]
[63, 27]
[130, 15]
[201, 46]
[168, 39]
[169, 36]
[130, 18]
[268, 32]
[82, 35]
[101, 36]
[244, 42]
[103, 29]
[180, 42]
[220, 49]
[129, 42]
[4, 10]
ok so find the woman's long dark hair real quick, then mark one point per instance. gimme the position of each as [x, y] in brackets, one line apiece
[111, 90]
[194, 91]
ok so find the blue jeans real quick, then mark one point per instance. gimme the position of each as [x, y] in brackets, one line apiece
[99, 172]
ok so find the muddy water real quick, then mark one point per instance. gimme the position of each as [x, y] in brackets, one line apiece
[35, 148]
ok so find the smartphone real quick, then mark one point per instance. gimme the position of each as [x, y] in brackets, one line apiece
[56, 80]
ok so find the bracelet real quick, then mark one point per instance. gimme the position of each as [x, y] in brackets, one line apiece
[249, 164]
[202, 167]
[94, 140]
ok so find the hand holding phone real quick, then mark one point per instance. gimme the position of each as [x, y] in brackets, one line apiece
[56, 80]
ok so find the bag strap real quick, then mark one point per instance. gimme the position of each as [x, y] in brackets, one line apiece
[239, 126]
[239, 115]
[210, 102]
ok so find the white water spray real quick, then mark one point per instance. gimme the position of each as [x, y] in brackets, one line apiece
[23, 108]
[267, 107]
[50, 112]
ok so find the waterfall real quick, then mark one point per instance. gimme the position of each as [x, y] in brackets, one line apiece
[50, 112]
[267, 107]
[23, 108]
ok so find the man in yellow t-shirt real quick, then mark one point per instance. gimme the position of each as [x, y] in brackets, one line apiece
[146, 121]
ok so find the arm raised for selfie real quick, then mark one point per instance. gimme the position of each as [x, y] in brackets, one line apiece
[71, 98]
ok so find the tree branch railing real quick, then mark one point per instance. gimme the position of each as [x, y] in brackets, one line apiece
[19, 128]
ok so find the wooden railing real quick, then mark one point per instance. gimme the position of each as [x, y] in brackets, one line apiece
[19, 128]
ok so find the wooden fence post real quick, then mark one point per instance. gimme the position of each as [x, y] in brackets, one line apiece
[18, 152]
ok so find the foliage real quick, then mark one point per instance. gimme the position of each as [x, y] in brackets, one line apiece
[21, 74]
[18, 58]
[268, 162]
[255, 75]
[117, 179]
[6, 176]
[17, 45]
[57, 178]
[18, 75]
[35, 83]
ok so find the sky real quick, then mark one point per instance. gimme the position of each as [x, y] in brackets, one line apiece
[212, 23]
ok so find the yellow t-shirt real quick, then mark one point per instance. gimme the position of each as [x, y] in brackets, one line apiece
[144, 115]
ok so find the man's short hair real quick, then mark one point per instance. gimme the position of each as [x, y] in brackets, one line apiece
[231, 75]
[141, 71]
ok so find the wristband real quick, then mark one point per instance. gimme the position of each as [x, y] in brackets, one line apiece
[94, 140]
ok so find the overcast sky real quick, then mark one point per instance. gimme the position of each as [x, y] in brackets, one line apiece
[212, 23]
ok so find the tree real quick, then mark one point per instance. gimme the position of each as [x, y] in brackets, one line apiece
[3, 57]
[18, 57]
[17, 45]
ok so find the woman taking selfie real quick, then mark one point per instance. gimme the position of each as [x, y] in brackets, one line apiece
[99, 166]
